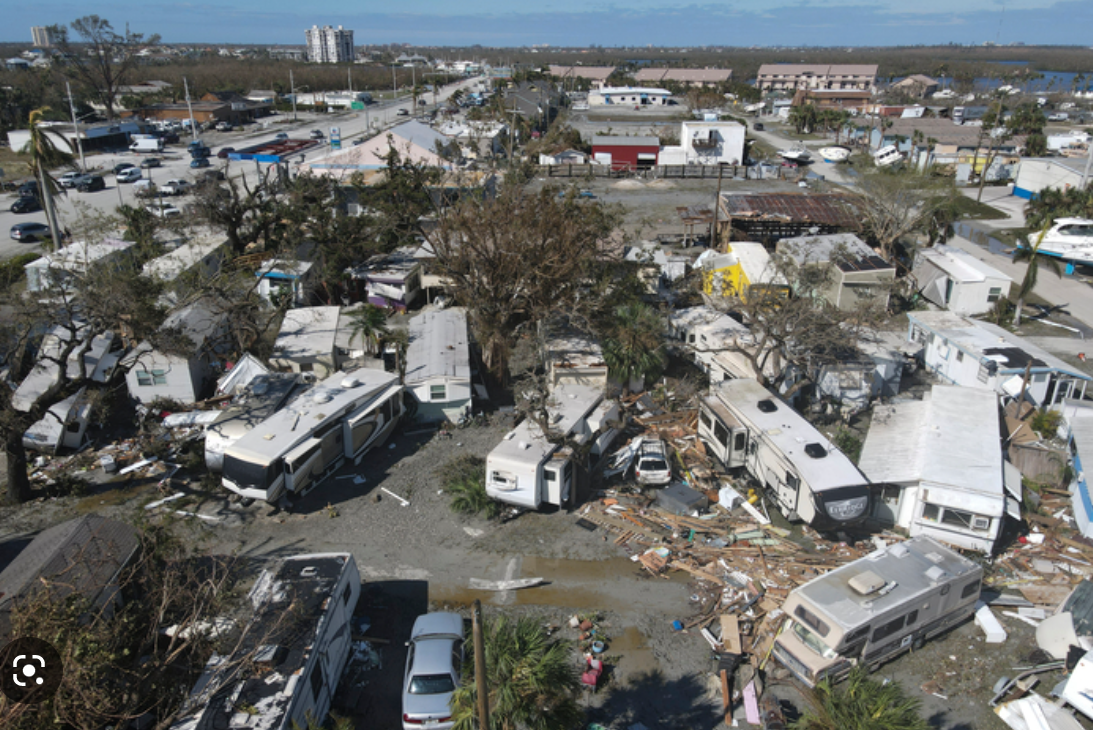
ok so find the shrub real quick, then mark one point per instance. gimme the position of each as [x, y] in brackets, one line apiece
[848, 443]
[464, 480]
[1046, 423]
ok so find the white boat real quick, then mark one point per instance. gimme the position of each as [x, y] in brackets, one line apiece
[1070, 239]
[798, 154]
[835, 153]
[887, 156]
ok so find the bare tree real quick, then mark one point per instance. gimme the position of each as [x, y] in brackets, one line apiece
[893, 207]
[102, 59]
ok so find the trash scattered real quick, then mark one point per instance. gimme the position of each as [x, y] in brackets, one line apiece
[474, 531]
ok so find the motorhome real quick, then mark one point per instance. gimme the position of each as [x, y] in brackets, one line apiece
[871, 610]
[530, 468]
[290, 658]
[299, 446]
[749, 428]
[260, 399]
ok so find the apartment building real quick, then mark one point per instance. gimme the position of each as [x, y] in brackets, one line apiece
[816, 76]
[329, 45]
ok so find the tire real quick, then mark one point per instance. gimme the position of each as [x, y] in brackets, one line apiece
[918, 643]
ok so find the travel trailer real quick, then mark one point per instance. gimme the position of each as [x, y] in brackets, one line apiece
[870, 610]
[530, 468]
[887, 156]
[747, 427]
[260, 399]
[299, 446]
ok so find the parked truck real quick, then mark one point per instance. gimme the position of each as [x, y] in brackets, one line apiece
[871, 610]
[530, 468]
[146, 144]
[748, 428]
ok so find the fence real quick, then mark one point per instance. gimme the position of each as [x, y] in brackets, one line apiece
[727, 172]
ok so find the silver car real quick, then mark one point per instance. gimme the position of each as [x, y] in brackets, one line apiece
[433, 666]
[653, 467]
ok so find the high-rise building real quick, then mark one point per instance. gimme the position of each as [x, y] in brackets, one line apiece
[41, 36]
[329, 45]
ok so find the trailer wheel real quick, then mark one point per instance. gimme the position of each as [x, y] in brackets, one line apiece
[918, 643]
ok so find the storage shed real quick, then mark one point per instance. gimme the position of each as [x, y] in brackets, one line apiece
[953, 279]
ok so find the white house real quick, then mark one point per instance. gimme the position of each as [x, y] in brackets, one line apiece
[438, 364]
[564, 157]
[938, 467]
[1078, 428]
[953, 279]
[1034, 174]
[388, 280]
[75, 259]
[201, 256]
[977, 354]
[175, 375]
[628, 96]
[307, 341]
[280, 277]
[706, 143]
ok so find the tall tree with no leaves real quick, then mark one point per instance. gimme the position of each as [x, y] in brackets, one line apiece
[101, 58]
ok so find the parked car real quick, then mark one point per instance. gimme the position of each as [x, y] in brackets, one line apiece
[175, 187]
[151, 162]
[170, 138]
[29, 232]
[29, 189]
[163, 209]
[91, 183]
[402, 113]
[212, 176]
[317, 134]
[224, 127]
[652, 465]
[69, 179]
[224, 152]
[200, 162]
[280, 137]
[144, 189]
[758, 127]
[122, 166]
[26, 204]
[434, 662]
[128, 175]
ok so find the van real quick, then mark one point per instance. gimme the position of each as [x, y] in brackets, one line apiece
[875, 608]
[129, 174]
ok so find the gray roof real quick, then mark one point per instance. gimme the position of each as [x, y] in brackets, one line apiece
[82, 555]
[853, 253]
[438, 347]
[307, 332]
[418, 134]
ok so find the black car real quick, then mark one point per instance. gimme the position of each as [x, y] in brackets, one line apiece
[169, 138]
[224, 152]
[27, 232]
[757, 126]
[122, 166]
[29, 189]
[91, 183]
[26, 204]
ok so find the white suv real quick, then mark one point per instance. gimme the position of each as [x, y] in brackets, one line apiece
[653, 467]
[129, 174]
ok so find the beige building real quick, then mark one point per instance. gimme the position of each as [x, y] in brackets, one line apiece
[859, 275]
[689, 76]
[793, 76]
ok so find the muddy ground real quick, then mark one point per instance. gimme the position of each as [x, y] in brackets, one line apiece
[421, 557]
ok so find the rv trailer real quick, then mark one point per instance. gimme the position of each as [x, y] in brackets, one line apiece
[870, 610]
[529, 469]
[747, 427]
[299, 446]
[261, 398]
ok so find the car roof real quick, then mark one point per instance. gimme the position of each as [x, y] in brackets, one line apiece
[437, 623]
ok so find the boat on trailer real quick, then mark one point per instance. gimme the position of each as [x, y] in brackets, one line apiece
[798, 155]
[1070, 239]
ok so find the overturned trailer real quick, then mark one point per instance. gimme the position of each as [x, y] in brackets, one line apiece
[531, 467]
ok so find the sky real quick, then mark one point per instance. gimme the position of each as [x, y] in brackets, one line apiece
[584, 22]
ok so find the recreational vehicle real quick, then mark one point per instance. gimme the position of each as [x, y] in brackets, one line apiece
[870, 610]
[286, 667]
[747, 427]
[529, 467]
[260, 399]
[297, 447]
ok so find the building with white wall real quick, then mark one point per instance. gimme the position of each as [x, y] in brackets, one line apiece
[1034, 174]
[952, 278]
[329, 45]
[706, 143]
[41, 36]
[438, 364]
[628, 96]
[793, 76]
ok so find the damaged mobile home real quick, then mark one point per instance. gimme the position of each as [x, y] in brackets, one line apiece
[530, 467]
[747, 427]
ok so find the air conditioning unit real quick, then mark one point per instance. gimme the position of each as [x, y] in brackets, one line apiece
[981, 523]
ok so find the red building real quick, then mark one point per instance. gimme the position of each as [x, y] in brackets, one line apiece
[626, 153]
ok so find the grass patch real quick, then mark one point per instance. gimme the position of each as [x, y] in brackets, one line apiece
[14, 164]
[464, 480]
[968, 208]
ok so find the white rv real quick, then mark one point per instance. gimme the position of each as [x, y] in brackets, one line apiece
[529, 468]
[870, 610]
[284, 673]
[261, 398]
[296, 448]
[887, 156]
[747, 427]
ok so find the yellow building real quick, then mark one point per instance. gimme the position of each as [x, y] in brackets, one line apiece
[733, 273]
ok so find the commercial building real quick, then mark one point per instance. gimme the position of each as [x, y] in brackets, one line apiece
[638, 96]
[706, 143]
[687, 76]
[329, 45]
[596, 74]
[793, 76]
[1036, 174]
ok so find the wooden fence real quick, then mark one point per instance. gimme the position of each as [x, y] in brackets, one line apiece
[727, 172]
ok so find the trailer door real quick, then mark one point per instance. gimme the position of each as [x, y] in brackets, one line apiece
[558, 481]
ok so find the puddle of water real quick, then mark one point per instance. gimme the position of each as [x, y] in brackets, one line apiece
[115, 496]
[635, 653]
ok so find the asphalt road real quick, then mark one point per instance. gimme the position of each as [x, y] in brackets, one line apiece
[75, 207]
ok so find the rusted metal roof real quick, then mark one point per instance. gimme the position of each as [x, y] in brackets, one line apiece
[825, 208]
[695, 214]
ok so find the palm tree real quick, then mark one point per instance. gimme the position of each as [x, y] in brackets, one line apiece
[804, 118]
[532, 679]
[1034, 257]
[861, 703]
[400, 340]
[45, 156]
[633, 349]
[370, 324]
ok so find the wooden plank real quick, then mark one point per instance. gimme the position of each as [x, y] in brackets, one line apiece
[1046, 595]
[1074, 543]
[730, 634]
[726, 694]
[697, 572]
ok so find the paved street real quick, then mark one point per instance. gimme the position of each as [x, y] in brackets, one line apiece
[176, 162]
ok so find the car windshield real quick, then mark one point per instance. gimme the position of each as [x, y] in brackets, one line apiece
[653, 465]
[431, 684]
[812, 641]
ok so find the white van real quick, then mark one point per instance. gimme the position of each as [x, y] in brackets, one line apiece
[129, 174]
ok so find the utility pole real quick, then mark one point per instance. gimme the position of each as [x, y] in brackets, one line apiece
[394, 82]
[292, 86]
[190, 106]
[480, 667]
[76, 127]
[349, 73]
[716, 208]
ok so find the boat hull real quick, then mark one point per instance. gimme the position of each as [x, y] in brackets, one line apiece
[834, 154]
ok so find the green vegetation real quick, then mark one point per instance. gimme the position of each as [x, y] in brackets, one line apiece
[965, 207]
[849, 443]
[860, 703]
[1046, 423]
[464, 480]
[13, 270]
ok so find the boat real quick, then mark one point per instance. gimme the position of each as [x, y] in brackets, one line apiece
[887, 156]
[835, 153]
[1070, 239]
[799, 155]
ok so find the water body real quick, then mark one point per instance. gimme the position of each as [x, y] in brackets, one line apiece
[1052, 81]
